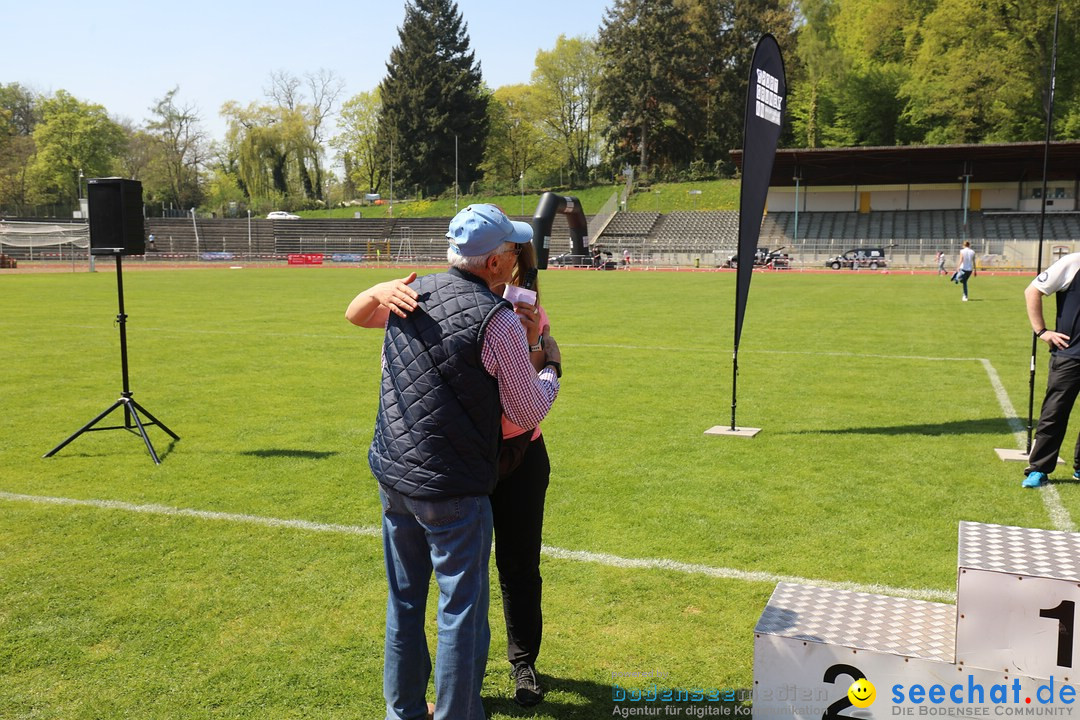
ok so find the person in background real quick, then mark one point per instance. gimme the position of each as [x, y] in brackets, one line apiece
[518, 509]
[517, 504]
[1063, 381]
[965, 268]
[455, 359]
[941, 263]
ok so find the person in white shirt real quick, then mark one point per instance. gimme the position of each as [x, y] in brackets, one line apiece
[1063, 381]
[966, 267]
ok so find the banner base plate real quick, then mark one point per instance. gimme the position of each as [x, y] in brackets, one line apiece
[747, 432]
[1010, 455]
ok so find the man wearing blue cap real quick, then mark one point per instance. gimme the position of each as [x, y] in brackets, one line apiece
[455, 358]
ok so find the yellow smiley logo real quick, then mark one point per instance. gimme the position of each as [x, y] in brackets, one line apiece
[862, 693]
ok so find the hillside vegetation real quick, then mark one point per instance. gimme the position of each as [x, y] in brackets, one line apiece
[661, 197]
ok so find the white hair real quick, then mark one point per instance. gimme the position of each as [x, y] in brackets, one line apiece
[472, 263]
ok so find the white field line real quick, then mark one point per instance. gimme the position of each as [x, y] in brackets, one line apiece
[553, 552]
[1059, 515]
[348, 335]
[745, 575]
[199, 514]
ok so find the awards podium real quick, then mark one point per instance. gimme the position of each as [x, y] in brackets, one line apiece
[1006, 648]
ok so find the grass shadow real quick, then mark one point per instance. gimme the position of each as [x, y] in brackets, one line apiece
[162, 452]
[987, 426]
[600, 700]
[286, 453]
[167, 450]
[1067, 480]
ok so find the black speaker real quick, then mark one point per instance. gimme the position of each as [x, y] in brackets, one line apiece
[116, 216]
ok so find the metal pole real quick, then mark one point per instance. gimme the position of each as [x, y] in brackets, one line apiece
[1042, 222]
[734, 383]
[249, 235]
[196, 233]
[455, 174]
[795, 237]
[967, 193]
[121, 319]
[391, 177]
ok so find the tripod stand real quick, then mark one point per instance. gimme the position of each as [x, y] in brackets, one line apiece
[131, 407]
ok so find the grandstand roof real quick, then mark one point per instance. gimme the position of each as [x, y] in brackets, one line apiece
[921, 164]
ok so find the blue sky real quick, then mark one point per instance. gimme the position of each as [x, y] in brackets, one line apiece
[123, 54]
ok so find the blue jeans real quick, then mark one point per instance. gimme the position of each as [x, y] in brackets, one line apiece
[964, 275]
[453, 538]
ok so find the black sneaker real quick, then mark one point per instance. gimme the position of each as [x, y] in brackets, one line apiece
[527, 690]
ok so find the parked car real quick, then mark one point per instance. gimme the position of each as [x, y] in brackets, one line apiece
[764, 258]
[871, 258]
[282, 215]
[570, 260]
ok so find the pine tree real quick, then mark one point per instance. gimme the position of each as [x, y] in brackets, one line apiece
[648, 87]
[433, 92]
[731, 32]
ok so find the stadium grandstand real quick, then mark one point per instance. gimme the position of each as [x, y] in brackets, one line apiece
[914, 201]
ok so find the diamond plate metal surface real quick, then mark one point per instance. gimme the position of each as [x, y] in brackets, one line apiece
[912, 628]
[1023, 551]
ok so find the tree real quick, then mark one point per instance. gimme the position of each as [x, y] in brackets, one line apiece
[72, 137]
[989, 83]
[434, 108]
[264, 143]
[179, 145]
[19, 110]
[648, 82]
[566, 80]
[727, 33]
[516, 144]
[288, 92]
[140, 151]
[19, 116]
[358, 142]
[818, 62]
[222, 192]
[852, 61]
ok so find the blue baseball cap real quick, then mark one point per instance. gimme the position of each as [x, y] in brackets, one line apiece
[480, 228]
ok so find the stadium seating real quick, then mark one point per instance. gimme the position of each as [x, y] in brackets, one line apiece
[683, 238]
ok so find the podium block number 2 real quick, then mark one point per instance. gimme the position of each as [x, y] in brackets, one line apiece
[1065, 614]
[831, 675]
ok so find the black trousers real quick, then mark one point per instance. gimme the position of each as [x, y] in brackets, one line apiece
[517, 506]
[1062, 387]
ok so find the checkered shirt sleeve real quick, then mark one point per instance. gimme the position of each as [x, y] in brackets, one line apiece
[526, 396]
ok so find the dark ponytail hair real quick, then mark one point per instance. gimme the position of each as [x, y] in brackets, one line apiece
[526, 261]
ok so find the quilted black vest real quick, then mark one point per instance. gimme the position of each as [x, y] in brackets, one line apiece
[438, 430]
[1067, 320]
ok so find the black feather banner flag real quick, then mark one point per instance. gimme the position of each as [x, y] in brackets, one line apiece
[765, 100]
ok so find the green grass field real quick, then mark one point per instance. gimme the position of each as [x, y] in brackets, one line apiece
[874, 392]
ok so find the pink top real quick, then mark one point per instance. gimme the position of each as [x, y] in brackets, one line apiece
[509, 428]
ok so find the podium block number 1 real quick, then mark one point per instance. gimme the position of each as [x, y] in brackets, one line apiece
[1065, 614]
[1016, 623]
